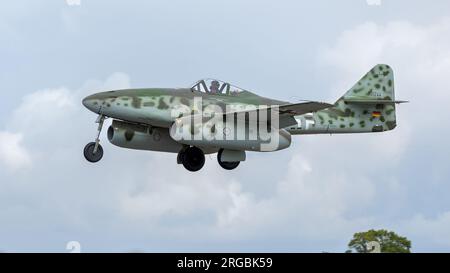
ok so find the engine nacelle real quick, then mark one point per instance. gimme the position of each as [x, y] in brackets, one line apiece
[141, 137]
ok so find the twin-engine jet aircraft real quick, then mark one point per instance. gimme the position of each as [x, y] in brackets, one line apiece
[216, 117]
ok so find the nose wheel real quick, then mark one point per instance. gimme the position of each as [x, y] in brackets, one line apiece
[92, 156]
[93, 152]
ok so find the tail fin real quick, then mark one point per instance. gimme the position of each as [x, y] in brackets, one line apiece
[377, 86]
[369, 106]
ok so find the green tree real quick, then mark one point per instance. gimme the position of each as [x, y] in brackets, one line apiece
[389, 242]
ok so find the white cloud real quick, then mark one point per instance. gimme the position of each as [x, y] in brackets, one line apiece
[326, 188]
[43, 109]
[420, 57]
[12, 153]
[48, 120]
[166, 192]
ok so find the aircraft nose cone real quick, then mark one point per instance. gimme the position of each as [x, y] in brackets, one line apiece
[91, 103]
[85, 102]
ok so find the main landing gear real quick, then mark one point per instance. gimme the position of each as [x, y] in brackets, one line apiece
[93, 152]
[193, 159]
[226, 165]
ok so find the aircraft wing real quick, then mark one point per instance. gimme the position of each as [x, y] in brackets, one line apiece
[297, 109]
[288, 111]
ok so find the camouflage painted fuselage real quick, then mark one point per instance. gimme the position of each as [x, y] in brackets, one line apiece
[154, 106]
[369, 106]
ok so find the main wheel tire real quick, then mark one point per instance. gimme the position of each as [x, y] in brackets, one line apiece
[180, 157]
[193, 159]
[227, 165]
[89, 153]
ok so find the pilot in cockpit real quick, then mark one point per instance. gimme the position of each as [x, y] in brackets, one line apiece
[214, 88]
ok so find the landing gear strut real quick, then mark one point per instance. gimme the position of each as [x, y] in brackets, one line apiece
[93, 152]
[192, 158]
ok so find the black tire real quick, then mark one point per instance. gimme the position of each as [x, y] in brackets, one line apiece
[89, 153]
[193, 159]
[227, 165]
[180, 157]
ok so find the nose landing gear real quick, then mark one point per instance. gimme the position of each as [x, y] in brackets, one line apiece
[93, 152]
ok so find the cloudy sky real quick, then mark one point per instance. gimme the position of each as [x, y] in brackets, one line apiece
[311, 197]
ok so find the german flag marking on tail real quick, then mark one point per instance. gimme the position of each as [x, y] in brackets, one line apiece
[376, 114]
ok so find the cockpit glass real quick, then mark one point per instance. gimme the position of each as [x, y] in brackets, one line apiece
[212, 86]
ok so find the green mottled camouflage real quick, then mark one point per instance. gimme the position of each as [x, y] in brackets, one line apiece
[352, 113]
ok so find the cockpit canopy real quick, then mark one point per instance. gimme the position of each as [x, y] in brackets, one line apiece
[212, 86]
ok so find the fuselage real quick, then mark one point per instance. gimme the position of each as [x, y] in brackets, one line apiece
[215, 116]
[154, 106]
